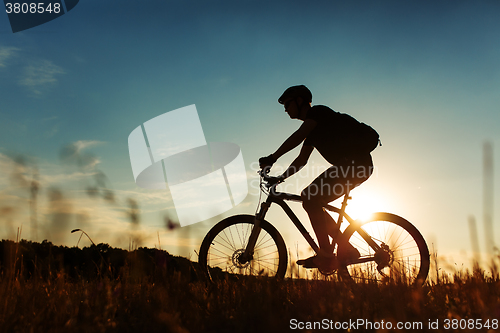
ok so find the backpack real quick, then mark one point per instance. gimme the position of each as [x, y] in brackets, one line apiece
[357, 137]
[340, 135]
[366, 139]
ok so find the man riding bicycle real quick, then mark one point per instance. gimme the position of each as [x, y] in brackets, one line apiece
[330, 133]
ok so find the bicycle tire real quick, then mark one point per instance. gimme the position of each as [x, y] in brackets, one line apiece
[407, 253]
[227, 239]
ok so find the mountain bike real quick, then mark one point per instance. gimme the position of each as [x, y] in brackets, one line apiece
[391, 248]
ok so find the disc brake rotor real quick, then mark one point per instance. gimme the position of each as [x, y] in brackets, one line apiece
[236, 259]
[384, 258]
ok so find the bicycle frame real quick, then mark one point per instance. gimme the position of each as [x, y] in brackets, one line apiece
[279, 198]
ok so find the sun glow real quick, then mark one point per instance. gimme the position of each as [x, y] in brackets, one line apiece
[363, 204]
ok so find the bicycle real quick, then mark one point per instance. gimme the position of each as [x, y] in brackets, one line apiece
[391, 248]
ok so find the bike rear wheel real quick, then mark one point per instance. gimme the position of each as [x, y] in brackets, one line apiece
[403, 255]
[223, 245]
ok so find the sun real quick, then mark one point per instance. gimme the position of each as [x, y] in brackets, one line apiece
[363, 204]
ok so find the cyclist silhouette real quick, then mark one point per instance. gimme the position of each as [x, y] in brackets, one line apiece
[328, 132]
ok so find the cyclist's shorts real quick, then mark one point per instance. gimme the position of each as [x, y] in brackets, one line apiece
[340, 178]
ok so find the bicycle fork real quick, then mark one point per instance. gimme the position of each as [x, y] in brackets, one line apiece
[254, 235]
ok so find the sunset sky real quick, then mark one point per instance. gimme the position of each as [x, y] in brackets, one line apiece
[424, 74]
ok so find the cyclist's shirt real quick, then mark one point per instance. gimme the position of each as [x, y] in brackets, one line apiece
[331, 134]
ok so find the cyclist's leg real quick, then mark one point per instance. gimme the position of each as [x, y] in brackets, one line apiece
[329, 186]
[314, 209]
[314, 196]
[313, 202]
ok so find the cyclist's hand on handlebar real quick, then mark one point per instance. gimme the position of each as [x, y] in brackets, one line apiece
[275, 180]
[266, 163]
[271, 181]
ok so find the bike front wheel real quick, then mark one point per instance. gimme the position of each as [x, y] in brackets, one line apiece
[402, 254]
[224, 244]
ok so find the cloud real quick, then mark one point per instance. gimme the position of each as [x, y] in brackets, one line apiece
[74, 154]
[84, 144]
[40, 74]
[35, 74]
[6, 53]
[149, 197]
[61, 178]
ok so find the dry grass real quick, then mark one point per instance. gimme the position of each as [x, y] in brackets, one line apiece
[181, 300]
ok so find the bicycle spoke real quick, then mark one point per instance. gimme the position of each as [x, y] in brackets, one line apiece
[230, 242]
[266, 247]
[260, 270]
[267, 261]
[239, 236]
[218, 263]
[270, 253]
[261, 239]
[232, 238]
[225, 255]
[246, 236]
[410, 241]
[399, 257]
[230, 249]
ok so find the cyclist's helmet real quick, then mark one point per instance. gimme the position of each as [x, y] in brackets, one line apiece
[294, 92]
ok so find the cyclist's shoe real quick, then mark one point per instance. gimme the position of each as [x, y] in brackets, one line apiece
[326, 263]
[307, 263]
[347, 253]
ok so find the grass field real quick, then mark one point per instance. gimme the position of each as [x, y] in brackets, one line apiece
[148, 290]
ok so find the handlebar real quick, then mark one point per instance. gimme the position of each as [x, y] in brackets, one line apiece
[269, 180]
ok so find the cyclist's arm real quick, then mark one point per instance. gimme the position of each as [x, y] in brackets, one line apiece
[299, 162]
[296, 138]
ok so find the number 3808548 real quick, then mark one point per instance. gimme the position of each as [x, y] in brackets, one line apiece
[33, 8]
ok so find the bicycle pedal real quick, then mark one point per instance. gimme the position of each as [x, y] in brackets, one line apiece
[323, 263]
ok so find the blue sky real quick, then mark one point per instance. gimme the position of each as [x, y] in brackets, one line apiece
[425, 74]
